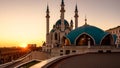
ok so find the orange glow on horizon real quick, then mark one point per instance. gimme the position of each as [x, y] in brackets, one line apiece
[23, 22]
[23, 45]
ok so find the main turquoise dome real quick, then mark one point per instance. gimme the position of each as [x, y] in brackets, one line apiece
[59, 23]
[95, 33]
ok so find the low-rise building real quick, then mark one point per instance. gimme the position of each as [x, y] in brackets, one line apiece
[115, 30]
[10, 54]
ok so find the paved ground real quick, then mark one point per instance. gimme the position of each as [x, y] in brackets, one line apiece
[90, 61]
[33, 55]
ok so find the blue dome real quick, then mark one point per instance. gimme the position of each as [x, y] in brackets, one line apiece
[96, 33]
[59, 23]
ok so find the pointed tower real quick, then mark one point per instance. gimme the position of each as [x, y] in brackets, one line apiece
[47, 20]
[85, 20]
[62, 15]
[76, 17]
[71, 24]
[47, 26]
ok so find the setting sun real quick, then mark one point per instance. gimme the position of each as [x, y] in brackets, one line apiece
[23, 45]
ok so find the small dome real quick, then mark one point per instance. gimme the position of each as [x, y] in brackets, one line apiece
[96, 33]
[53, 30]
[59, 23]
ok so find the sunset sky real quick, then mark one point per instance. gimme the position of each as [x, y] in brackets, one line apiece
[24, 22]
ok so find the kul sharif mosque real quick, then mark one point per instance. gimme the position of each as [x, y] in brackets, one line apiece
[63, 39]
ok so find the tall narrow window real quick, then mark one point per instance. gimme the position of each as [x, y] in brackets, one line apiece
[59, 36]
[55, 36]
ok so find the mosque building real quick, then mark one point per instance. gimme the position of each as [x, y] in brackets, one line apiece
[63, 39]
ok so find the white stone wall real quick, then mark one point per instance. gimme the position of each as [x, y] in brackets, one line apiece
[81, 49]
[117, 32]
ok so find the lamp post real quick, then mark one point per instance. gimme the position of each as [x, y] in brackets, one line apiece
[88, 42]
[117, 43]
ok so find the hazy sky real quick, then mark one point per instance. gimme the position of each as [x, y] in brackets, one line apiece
[23, 21]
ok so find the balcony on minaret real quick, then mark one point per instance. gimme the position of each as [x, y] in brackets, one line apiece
[47, 16]
[76, 15]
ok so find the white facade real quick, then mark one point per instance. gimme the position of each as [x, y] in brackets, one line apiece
[116, 31]
[66, 50]
[55, 37]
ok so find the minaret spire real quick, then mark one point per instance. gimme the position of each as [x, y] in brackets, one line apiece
[62, 9]
[47, 9]
[71, 24]
[62, 15]
[85, 20]
[62, 1]
[76, 17]
[76, 8]
[47, 20]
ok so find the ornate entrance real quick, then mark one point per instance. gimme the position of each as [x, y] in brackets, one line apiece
[83, 40]
[108, 40]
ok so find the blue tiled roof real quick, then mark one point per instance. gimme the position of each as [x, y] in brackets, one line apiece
[96, 33]
[59, 22]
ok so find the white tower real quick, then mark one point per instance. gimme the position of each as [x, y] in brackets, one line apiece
[62, 15]
[71, 24]
[47, 24]
[76, 17]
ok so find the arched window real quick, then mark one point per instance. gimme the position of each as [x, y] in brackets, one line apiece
[83, 40]
[55, 36]
[65, 41]
[108, 40]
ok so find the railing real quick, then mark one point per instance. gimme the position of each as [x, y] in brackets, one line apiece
[27, 62]
[14, 61]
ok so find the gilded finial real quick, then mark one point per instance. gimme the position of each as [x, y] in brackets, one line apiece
[85, 20]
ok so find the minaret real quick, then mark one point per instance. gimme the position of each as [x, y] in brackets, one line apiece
[47, 20]
[47, 26]
[71, 24]
[76, 17]
[62, 15]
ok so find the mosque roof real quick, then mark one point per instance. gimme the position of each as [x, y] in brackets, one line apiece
[96, 33]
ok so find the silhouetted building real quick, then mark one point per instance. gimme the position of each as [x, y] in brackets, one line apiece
[9, 54]
[32, 46]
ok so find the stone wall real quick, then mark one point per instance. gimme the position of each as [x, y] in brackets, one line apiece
[81, 49]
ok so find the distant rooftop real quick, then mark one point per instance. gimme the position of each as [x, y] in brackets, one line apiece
[113, 28]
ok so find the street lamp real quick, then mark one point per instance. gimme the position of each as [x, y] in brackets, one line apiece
[88, 42]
